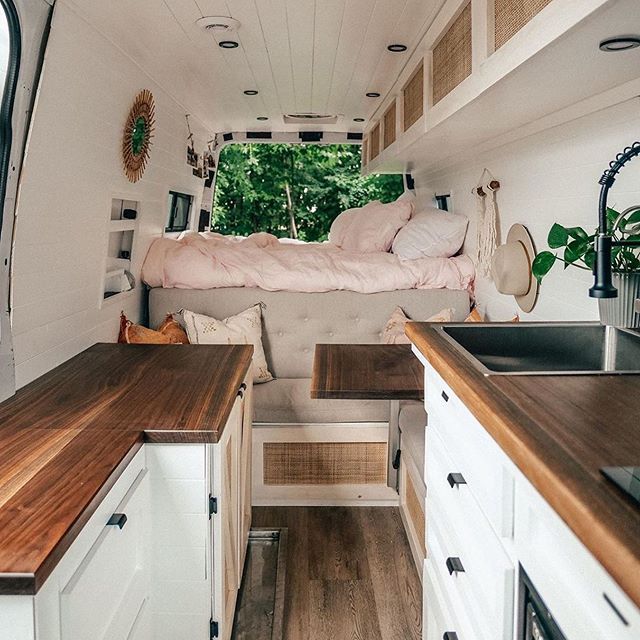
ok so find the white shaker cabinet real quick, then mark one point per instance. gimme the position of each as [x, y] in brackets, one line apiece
[161, 557]
[487, 526]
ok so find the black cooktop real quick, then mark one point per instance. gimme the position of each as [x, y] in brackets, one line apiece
[627, 478]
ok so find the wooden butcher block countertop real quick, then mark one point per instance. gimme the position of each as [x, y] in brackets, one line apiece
[66, 437]
[559, 431]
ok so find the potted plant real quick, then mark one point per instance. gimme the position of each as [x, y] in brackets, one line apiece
[574, 248]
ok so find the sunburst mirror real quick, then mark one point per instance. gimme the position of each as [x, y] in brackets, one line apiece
[137, 135]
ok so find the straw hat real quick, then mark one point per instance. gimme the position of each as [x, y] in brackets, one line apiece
[511, 268]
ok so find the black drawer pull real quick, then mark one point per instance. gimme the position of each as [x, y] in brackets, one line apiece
[396, 460]
[117, 520]
[445, 397]
[243, 386]
[450, 635]
[455, 479]
[240, 393]
[454, 565]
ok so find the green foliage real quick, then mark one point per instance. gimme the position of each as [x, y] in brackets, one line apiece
[287, 188]
[578, 247]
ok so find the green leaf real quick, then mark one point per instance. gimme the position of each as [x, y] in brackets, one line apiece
[633, 218]
[578, 233]
[542, 264]
[558, 236]
[575, 250]
[612, 216]
[590, 258]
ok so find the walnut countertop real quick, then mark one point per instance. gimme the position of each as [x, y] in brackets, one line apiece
[66, 437]
[559, 431]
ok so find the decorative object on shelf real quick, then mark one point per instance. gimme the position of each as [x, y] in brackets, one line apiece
[487, 225]
[511, 268]
[577, 248]
[192, 156]
[137, 136]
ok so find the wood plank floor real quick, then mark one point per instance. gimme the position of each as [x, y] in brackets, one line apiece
[350, 573]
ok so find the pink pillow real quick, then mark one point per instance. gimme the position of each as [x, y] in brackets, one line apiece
[371, 228]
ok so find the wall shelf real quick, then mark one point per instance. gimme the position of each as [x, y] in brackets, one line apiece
[542, 72]
[117, 280]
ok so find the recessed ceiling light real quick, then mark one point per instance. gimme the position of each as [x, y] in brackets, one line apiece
[228, 44]
[358, 119]
[397, 48]
[219, 24]
[373, 94]
[262, 118]
[250, 92]
[620, 43]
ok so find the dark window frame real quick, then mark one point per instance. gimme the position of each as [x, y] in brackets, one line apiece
[171, 226]
[8, 96]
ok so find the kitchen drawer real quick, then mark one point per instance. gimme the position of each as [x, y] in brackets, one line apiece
[485, 589]
[104, 596]
[438, 621]
[473, 453]
[585, 601]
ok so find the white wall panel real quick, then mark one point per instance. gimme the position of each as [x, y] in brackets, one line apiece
[548, 177]
[72, 170]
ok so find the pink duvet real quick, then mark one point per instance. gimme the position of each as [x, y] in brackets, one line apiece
[209, 261]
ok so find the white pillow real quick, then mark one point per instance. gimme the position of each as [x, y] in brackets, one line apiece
[371, 228]
[393, 332]
[244, 328]
[431, 233]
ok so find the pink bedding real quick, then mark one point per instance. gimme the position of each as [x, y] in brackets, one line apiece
[210, 261]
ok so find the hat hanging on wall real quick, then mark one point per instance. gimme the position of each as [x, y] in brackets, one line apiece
[511, 268]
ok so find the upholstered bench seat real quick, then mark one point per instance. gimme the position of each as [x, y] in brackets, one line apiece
[288, 401]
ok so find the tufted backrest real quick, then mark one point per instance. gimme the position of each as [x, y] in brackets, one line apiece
[295, 322]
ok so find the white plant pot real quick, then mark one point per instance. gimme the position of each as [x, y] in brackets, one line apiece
[621, 311]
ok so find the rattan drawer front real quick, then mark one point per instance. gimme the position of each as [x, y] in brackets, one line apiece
[390, 126]
[374, 142]
[413, 98]
[452, 56]
[512, 15]
[415, 509]
[318, 463]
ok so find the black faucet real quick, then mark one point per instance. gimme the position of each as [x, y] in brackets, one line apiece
[603, 287]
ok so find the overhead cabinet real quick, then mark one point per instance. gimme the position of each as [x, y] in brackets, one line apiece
[488, 70]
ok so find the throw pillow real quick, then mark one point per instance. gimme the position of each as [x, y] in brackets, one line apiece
[243, 328]
[393, 332]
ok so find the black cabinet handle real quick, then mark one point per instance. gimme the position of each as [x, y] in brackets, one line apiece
[117, 520]
[454, 565]
[445, 397]
[242, 389]
[455, 479]
[396, 460]
[450, 635]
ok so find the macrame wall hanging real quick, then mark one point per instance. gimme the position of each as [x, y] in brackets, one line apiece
[487, 227]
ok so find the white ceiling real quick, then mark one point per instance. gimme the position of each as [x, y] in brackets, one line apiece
[302, 55]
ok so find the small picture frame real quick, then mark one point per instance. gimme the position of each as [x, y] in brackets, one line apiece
[192, 156]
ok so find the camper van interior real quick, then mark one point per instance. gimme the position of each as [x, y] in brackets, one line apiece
[320, 320]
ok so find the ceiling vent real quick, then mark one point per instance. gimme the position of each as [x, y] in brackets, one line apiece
[310, 118]
[219, 25]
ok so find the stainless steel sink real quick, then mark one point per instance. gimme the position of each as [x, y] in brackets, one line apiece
[541, 348]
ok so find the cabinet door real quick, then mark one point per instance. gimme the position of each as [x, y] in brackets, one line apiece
[105, 594]
[225, 524]
[245, 474]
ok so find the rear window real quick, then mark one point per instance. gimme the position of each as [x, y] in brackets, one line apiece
[292, 190]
